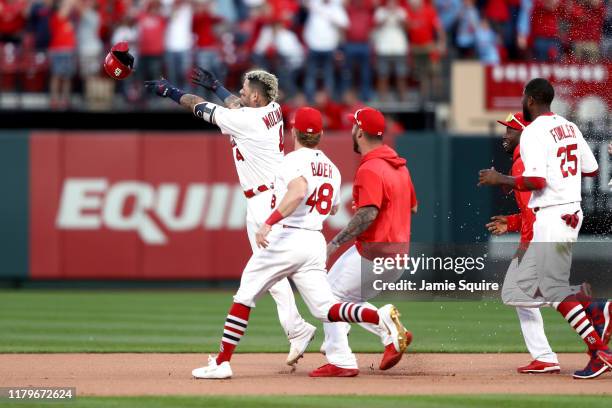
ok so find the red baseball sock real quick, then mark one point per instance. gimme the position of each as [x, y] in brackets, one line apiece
[571, 309]
[235, 326]
[352, 313]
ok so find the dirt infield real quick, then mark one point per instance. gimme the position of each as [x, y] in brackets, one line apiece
[170, 374]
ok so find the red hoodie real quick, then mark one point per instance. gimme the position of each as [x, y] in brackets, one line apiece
[383, 181]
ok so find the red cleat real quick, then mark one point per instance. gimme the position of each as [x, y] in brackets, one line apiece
[330, 370]
[391, 356]
[605, 356]
[540, 367]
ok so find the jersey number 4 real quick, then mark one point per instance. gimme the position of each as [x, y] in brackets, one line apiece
[321, 198]
[568, 157]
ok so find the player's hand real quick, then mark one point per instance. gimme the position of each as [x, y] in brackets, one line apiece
[205, 79]
[159, 87]
[260, 236]
[489, 177]
[498, 225]
[610, 148]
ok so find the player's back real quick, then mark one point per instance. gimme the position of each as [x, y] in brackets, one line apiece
[553, 148]
[323, 179]
[257, 141]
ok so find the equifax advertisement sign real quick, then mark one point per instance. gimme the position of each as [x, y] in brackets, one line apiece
[135, 206]
[575, 85]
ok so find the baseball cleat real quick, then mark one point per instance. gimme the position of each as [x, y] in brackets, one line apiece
[300, 343]
[391, 357]
[213, 371]
[330, 370]
[594, 368]
[540, 367]
[605, 356]
[389, 320]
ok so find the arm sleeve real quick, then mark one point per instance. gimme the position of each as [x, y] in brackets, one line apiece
[533, 153]
[369, 187]
[588, 163]
[514, 223]
[232, 121]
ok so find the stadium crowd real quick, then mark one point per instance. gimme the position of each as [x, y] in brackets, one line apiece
[335, 51]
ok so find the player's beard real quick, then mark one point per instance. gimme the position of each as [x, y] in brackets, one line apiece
[355, 145]
[526, 113]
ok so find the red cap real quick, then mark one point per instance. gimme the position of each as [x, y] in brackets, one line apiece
[515, 121]
[370, 120]
[308, 120]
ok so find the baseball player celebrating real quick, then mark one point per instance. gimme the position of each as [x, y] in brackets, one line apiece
[530, 318]
[255, 125]
[292, 245]
[384, 198]
[556, 156]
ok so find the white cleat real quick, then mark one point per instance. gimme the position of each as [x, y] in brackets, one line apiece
[213, 371]
[389, 321]
[300, 343]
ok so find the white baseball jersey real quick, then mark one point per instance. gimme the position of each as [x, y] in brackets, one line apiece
[257, 141]
[554, 148]
[323, 179]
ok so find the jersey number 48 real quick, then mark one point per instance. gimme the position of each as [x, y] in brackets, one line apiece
[321, 199]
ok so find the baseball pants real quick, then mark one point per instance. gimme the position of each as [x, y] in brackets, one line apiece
[349, 284]
[293, 253]
[530, 317]
[258, 209]
[544, 271]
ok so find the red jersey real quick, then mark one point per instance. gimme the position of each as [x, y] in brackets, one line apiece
[422, 24]
[63, 37]
[383, 180]
[523, 221]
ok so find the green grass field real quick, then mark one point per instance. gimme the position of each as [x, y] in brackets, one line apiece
[418, 401]
[191, 321]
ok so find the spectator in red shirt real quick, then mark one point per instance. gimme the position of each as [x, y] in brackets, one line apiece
[205, 24]
[357, 52]
[330, 110]
[428, 42]
[62, 49]
[12, 19]
[584, 20]
[151, 30]
[545, 29]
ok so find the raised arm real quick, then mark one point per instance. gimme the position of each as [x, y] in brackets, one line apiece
[207, 80]
[196, 104]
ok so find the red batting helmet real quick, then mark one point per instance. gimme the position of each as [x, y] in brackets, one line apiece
[119, 63]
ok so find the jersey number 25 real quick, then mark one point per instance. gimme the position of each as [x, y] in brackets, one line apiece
[568, 156]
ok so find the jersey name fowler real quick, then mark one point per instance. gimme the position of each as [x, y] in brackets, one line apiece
[273, 118]
[562, 132]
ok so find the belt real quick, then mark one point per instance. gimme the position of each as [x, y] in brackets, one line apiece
[252, 192]
[307, 229]
[536, 209]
